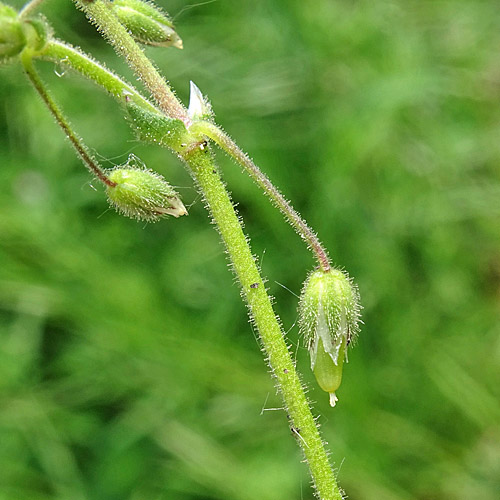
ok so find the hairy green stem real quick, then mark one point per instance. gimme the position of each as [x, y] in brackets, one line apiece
[76, 142]
[66, 55]
[296, 221]
[202, 167]
[30, 7]
[99, 12]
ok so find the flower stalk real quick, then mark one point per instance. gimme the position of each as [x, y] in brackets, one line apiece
[76, 142]
[225, 142]
[68, 56]
[28, 9]
[201, 164]
[186, 133]
[202, 167]
[100, 13]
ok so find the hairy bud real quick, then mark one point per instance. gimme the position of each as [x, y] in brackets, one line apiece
[329, 313]
[147, 23]
[12, 37]
[37, 32]
[142, 194]
[156, 128]
[16, 34]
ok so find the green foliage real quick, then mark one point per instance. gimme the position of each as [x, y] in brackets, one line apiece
[386, 115]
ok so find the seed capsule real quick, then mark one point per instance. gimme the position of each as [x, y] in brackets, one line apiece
[329, 313]
[147, 23]
[142, 194]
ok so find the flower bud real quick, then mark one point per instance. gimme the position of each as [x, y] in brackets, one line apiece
[16, 34]
[156, 127]
[329, 313]
[142, 194]
[147, 23]
[12, 37]
[37, 33]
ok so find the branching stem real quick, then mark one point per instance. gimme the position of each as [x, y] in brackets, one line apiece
[203, 169]
[297, 222]
[99, 12]
[76, 142]
[30, 7]
[201, 165]
[66, 55]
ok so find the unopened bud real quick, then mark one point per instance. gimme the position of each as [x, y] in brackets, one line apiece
[17, 33]
[12, 37]
[329, 313]
[156, 127]
[37, 33]
[142, 194]
[147, 23]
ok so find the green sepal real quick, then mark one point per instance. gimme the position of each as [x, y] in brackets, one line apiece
[17, 34]
[330, 298]
[329, 313]
[147, 23]
[37, 33]
[142, 194]
[156, 128]
[12, 36]
[7, 11]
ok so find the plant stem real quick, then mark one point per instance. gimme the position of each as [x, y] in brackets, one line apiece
[99, 13]
[29, 8]
[203, 169]
[76, 142]
[296, 221]
[63, 53]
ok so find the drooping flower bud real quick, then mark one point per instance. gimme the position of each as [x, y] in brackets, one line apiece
[12, 37]
[142, 194]
[147, 23]
[329, 314]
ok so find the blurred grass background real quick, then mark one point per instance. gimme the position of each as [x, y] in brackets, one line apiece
[128, 369]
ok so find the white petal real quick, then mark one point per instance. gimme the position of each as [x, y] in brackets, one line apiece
[333, 399]
[197, 107]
